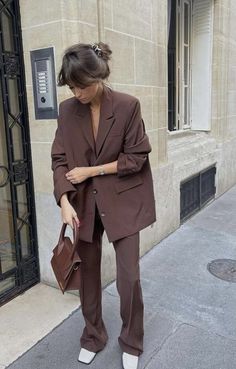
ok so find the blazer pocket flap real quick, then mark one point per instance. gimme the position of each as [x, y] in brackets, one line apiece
[127, 182]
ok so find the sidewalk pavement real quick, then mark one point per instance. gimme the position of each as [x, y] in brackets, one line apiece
[190, 315]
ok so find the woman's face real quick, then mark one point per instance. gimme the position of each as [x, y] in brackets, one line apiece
[85, 94]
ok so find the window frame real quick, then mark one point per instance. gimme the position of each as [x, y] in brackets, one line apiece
[199, 64]
[180, 88]
[181, 71]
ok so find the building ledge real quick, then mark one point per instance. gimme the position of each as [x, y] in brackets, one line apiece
[189, 145]
[180, 133]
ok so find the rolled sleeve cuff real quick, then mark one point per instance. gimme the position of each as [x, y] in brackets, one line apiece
[129, 164]
[61, 187]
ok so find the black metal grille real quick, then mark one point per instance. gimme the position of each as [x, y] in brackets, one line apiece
[196, 191]
[20, 170]
[16, 172]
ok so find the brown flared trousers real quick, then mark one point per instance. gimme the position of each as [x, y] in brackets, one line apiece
[94, 335]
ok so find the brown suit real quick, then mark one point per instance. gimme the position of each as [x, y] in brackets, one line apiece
[125, 200]
[122, 203]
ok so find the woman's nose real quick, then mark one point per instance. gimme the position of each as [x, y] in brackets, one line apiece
[77, 92]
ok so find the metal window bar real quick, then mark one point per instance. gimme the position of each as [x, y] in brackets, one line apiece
[183, 64]
[172, 67]
[196, 191]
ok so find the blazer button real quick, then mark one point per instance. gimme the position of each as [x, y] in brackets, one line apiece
[95, 191]
[102, 214]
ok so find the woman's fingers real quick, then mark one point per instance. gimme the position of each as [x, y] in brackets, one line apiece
[72, 173]
[68, 221]
[68, 213]
[70, 177]
[76, 219]
[77, 175]
[73, 178]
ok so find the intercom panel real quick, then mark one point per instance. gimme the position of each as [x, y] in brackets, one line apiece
[44, 83]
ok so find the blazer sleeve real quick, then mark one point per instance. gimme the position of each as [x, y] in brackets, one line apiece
[59, 165]
[136, 144]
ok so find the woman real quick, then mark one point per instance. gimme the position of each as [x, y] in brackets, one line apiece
[102, 179]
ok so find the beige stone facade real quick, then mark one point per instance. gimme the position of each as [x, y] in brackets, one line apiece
[137, 33]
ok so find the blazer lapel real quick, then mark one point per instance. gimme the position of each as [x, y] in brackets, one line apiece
[106, 119]
[83, 112]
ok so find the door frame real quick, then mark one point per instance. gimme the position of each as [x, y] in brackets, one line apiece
[27, 271]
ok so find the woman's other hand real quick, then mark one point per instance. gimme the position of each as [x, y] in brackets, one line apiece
[78, 174]
[68, 212]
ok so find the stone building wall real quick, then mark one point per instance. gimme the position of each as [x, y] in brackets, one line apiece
[136, 32]
[224, 91]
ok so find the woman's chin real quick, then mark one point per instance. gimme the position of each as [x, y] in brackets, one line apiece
[83, 101]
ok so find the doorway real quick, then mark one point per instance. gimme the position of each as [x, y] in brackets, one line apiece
[19, 266]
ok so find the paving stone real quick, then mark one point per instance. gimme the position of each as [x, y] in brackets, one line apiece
[193, 348]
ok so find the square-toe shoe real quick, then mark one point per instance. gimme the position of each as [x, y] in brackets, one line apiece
[129, 361]
[86, 356]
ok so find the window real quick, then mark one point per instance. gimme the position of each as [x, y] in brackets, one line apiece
[183, 61]
[179, 64]
[189, 64]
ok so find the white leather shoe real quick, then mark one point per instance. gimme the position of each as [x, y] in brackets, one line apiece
[129, 361]
[86, 356]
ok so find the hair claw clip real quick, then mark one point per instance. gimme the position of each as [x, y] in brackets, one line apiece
[97, 49]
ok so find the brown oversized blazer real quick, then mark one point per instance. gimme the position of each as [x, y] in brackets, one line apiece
[125, 200]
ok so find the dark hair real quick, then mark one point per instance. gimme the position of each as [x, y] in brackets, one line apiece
[84, 64]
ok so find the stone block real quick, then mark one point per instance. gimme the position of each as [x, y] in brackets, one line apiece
[167, 200]
[75, 32]
[146, 99]
[35, 13]
[160, 101]
[80, 10]
[153, 137]
[108, 14]
[150, 64]
[221, 19]
[159, 22]
[41, 155]
[122, 63]
[231, 105]
[162, 145]
[50, 35]
[27, 66]
[133, 17]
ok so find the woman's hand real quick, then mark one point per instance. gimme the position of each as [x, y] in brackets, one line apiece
[79, 174]
[68, 212]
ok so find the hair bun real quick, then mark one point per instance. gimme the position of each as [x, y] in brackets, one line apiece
[106, 51]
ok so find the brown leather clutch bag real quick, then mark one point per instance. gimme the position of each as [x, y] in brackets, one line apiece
[65, 261]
